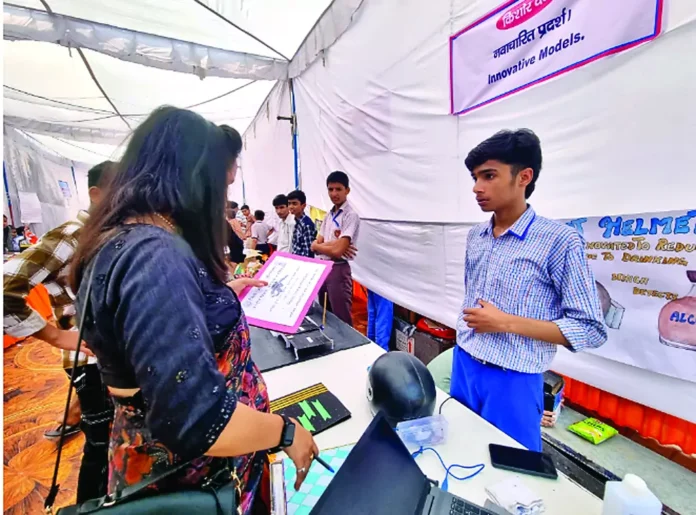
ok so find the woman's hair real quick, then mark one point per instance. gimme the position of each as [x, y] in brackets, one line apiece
[234, 140]
[176, 164]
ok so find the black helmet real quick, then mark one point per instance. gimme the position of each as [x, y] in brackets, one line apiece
[401, 387]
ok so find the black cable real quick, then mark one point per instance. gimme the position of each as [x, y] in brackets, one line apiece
[221, 96]
[85, 120]
[91, 72]
[210, 9]
[443, 403]
[109, 114]
[45, 4]
[96, 81]
[62, 141]
[85, 108]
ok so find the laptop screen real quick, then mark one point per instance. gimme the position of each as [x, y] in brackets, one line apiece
[378, 477]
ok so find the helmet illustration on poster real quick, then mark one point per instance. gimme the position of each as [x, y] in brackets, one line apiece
[613, 311]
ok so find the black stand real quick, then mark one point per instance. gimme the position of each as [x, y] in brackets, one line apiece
[308, 336]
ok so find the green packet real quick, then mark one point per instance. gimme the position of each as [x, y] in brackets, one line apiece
[593, 430]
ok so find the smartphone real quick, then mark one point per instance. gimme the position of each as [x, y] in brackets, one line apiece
[522, 460]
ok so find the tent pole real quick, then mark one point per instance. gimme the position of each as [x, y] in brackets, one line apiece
[293, 127]
[294, 135]
[7, 192]
[74, 180]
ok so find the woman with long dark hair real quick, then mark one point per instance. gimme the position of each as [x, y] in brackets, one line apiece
[169, 333]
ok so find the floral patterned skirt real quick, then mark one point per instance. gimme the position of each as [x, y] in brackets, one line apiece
[134, 455]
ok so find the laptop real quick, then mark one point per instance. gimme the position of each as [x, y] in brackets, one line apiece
[380, 477]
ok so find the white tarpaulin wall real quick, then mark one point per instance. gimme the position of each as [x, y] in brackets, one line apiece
[267, 157]
[616, 135]
[31, 168]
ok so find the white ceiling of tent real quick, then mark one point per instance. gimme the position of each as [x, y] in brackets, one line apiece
[80, 151]
[50, 94]
[281, 24]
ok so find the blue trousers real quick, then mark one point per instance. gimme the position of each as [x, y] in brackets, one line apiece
[380, 318]
[511, 401]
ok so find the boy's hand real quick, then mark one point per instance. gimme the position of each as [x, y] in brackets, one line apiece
[486, 319]
[64, 340]
[350, 252]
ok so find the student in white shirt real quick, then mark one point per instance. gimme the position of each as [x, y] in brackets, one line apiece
[285, 227]
[259, 233]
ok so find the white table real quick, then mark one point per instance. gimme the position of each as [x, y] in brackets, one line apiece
[345, 375]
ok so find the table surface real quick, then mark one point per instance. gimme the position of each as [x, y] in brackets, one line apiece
[670, 482]
[269, 352]
[345, 374]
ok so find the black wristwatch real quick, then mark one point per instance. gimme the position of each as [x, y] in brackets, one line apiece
[287, 435]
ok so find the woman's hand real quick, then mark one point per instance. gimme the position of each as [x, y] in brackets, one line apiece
[302, 452]
[238, 285]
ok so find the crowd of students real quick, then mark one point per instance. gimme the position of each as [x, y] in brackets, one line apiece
[294, 232]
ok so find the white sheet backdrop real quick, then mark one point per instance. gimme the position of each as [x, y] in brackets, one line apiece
[267, 156]
[31, 167]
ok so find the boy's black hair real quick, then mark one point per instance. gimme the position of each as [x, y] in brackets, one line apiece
[259, 215]
[520, 149]
[245, 207]
[338, 177]
[280, 200]
[297, 195]
[94, 176]
[232, 204]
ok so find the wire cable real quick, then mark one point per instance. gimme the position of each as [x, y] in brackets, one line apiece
[448, 470]
[443, 403]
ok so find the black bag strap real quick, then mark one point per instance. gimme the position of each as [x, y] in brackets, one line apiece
[128, 491]
[55, 487]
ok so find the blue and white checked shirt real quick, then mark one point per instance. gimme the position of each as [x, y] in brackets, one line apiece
[536, 269]
[304, 236]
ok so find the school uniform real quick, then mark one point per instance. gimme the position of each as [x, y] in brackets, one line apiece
[259, 232]
[536, 269]
[284, 230]
[343, 222]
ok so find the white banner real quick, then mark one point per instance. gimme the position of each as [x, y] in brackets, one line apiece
[29, 207]
[525, 42]
[645, 269]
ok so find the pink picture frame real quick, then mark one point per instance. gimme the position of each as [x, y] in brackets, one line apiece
[265, 324]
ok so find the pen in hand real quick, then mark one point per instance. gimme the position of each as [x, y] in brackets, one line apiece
[324, 464]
